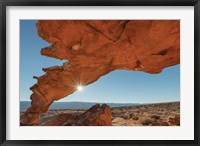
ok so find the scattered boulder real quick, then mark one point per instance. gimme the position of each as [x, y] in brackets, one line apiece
[174, 120]
[96, 116]
[146, 121]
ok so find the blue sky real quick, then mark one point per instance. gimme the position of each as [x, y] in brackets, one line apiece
[119, 86]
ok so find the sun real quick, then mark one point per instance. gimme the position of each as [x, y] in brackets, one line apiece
[79, 88]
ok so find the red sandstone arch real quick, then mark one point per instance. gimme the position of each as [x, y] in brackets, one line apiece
[93, 48]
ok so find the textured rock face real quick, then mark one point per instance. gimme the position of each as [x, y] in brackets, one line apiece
[93, 48]
[175, 120]
[95, 116]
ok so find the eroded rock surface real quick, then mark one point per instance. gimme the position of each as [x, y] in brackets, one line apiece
[175, 120]
[94, 48]
[95, 116]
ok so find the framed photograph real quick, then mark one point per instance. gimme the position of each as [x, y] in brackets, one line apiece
[99, 72]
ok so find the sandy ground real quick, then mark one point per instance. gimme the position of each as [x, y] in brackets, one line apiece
[146, 115]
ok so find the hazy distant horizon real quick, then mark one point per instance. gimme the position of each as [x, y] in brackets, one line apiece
[109, 102]
[24, 105]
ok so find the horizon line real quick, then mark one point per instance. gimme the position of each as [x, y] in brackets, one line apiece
[109, 102]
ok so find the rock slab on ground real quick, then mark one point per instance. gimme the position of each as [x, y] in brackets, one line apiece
[95, 116]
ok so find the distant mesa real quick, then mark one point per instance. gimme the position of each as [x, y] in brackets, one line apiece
[93, 48]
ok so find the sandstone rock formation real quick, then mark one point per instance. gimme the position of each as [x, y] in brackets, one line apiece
[163, 124]
[95, 116]
[94, 48]
[174, 120]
